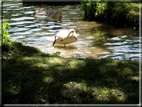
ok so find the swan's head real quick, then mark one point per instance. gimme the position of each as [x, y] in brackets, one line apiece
[71, 30]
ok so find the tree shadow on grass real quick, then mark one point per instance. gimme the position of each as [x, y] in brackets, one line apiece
[21, 82]
[103, 83]
[39, 78]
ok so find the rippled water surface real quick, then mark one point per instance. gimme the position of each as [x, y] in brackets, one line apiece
[34, 24]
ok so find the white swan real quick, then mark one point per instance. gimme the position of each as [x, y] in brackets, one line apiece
[65, 37]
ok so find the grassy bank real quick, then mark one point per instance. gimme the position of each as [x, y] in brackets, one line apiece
[119, 14]
[30, 76]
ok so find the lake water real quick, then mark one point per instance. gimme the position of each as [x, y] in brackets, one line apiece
[32, 25]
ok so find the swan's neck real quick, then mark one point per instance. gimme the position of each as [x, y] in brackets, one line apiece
[71, 32]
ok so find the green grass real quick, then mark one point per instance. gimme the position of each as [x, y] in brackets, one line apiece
[30, 76]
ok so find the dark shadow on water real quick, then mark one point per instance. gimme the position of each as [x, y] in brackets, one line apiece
[35, 80]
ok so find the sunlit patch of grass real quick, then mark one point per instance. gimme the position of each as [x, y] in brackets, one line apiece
[15, 90]
[136, 78]
[74, 63]
[119, 95]
[113, 63]
[28, 58]
[74, 85]
[58, 60]
[106, 94]
[48, 79]
[76, 92]
[126, 71]
[133, 12]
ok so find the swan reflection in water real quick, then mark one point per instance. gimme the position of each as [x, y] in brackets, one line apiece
[64, 37]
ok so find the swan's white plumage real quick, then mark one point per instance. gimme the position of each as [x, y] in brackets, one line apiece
[65, 37]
